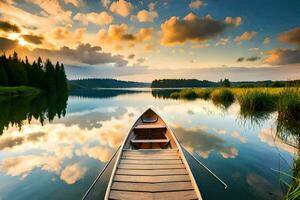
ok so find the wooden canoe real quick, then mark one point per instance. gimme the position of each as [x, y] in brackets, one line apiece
[151, 164]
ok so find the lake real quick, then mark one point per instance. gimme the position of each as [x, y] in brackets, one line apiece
[54, 148]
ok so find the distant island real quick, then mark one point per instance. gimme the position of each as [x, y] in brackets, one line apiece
[94, 83]
[193, 83]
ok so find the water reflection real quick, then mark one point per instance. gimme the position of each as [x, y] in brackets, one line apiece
[15, 110]
[65, 155]
[102, 93]
[199, 140]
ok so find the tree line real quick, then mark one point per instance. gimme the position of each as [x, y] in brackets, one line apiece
[43, 75]
[183, 83]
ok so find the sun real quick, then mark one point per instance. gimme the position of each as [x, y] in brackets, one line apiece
[21, 41]
[16, 36]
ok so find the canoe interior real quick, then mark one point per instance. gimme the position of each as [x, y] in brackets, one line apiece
[151, 164]
[150, 132]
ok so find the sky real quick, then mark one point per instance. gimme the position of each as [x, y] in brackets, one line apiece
[142, 40]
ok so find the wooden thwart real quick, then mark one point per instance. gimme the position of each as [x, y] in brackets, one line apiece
[171, 157]
[151, 162]
[182, 195]
[151, 179]
[150, 141]
[151, 172]
[130, 166]
[150, 126]
[150, 187]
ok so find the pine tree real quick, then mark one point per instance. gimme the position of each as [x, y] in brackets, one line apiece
[3, 75]
[50, 77]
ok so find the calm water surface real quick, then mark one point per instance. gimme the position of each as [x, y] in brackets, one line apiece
[61, 158]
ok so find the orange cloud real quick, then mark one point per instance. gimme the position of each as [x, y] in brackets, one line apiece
[72, 173]
[118, 33]
[148, 47]
[195, 4]
[146, 16]
[76, 3]
[54, 9]
[290, 37]
[233, 21]
[101, 18]
[121, 7]
[191, 28]
[34, 39]
[283, 56]
[9, 27]
[64, 34]
[246, 36]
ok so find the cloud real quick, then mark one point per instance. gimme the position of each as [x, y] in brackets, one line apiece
[200, 46]
[240, 59]
[102, 154]
[233, 21]
[76, 3]
[191, 28]
[195, 4]
[255, 49]
[148, 47]
[83, 53]
[250, 59]
[119, 32]
[220, 131]
[238, 136]
[121, 7]
[222, 41]
[282, 56]
[72, 173]
[34, 39]
[54, 9]
[269, 137]
[105, 3]
[62, 33]
[197, 139]
[253, 58]
[131, 56]
[101, 18]
[246, 36]
[8, 27]
[146, 16]
[290, 37]
[23, 165]
[9, 142]
[7, 44]
[267, 40]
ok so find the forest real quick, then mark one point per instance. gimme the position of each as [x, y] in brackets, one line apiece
[185, 83]
[90, 83]
[43, 75]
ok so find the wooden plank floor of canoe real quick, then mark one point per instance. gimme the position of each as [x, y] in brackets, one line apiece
[151, 174]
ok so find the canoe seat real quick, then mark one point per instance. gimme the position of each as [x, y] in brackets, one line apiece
[149, 126]
[150, 141]
[149, 119]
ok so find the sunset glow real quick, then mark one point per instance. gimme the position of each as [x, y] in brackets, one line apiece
[143, 40]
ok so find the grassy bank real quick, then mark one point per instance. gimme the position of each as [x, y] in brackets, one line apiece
[285, 100]
[18, 91]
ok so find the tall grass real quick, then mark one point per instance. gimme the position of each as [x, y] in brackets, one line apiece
[257, 100]
[289, 105]
[294, 188]
[222, 97]
[184, 94]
